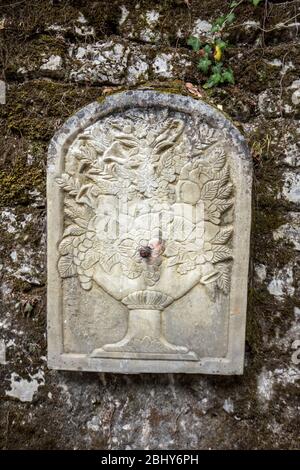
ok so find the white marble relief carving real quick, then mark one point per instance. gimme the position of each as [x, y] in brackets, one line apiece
[148, 214]
[145, 163]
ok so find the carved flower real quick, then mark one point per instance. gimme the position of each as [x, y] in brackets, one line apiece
[206, 255]
[169, 174]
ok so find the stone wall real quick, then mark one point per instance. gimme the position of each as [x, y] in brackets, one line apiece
[57, 56]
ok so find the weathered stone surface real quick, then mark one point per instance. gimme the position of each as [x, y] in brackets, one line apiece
[2, 352]
[53, 66]
[291, 188]
[148, 236]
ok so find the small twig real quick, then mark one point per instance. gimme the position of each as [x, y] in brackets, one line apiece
[12, 4]
[7, 430]
[280, 84]
[110, 423]
[264, 22]
[284, 3]
[296, 23]
[183, 411]
[279, 25]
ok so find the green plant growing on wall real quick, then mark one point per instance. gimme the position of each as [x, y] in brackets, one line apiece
[211, 51]
[210, 62]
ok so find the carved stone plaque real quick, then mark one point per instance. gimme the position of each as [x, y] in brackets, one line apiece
[149, 210]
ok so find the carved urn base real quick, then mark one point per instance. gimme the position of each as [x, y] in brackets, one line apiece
[144, 337]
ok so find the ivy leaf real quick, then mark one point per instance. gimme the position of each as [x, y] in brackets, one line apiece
[220, 21]
[222, 44]
[204, 64]
[227, 76]
[194, 42]
[208, 49]
[217, 68]
[215, 28]
[230, 18]
[256, 2]
[213, 80]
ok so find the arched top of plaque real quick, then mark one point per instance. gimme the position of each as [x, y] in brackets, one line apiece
[149, 212]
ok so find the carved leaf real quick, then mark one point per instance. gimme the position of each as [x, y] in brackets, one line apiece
[93, 148]
[223, 205]
[69, 184]
[66, 267]
[209, 190]
[222, 236]
[207, 138]
[212, 216]
[65, 246]
[75, 210]
[74, 230]
[106, 187]
[221, 253]
[81, 223]
[225, 191]
[223, 282]
[224, 176]
[168, 134]
[219, 160]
